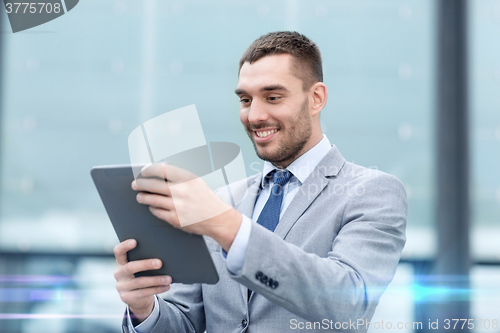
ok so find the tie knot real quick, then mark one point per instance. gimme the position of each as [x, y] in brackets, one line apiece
[281, 176]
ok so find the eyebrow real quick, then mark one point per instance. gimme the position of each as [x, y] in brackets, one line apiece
[240, 92]
[266, 88]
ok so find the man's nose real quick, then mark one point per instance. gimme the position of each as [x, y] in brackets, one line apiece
[257, 113]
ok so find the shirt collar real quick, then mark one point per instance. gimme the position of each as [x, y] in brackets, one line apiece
[303, 166]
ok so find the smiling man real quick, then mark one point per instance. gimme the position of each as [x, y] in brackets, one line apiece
[280, 104]
[314, 243]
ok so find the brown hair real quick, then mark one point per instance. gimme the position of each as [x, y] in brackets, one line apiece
[307, 57]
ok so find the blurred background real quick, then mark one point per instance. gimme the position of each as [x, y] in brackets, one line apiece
[74, 88]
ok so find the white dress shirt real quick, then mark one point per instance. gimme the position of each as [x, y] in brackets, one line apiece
[301, 168]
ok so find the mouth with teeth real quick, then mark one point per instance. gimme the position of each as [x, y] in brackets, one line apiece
[262, 136]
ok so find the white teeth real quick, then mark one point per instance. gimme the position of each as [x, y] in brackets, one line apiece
[266, 133]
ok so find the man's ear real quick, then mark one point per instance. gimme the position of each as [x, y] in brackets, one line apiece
[319, 95]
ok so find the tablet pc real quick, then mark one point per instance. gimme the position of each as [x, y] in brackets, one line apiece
[185, 256]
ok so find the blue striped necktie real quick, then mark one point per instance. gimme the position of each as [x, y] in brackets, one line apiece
[270, 215]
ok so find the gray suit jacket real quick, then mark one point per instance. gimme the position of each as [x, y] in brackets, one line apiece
[331, 257]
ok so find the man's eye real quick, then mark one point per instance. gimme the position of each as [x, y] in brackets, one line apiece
[244, 100]
[273, 98]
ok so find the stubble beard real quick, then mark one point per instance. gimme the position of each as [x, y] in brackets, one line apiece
[291, 143]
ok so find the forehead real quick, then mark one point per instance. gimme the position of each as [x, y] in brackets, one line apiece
[269, 70]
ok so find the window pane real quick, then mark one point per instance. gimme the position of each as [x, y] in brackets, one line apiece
[74, 90]
[485, 128]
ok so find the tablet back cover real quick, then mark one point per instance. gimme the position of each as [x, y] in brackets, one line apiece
[185, 256]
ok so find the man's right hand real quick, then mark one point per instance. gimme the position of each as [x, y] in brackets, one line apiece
[138, 293]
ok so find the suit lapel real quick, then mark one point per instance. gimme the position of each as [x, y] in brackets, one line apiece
[246, 208]
[248, 203]
[329, 166]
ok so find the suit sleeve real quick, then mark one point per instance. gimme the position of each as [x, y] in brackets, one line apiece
[181, 310]
[348, 283]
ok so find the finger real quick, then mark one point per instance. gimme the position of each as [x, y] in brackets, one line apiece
[146, 166]
[121, 250]
[153, 185]
[143, 282]
[166, 215]
[153, 170]
[128, 270]
[168, 172]
[155, 200]
[132, 296]
[139, 266]
[176, 174]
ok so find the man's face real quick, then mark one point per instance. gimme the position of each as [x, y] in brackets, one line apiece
[274, 109]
